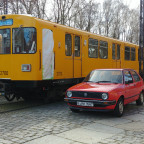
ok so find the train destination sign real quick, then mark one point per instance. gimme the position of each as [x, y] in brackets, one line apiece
[6, 22]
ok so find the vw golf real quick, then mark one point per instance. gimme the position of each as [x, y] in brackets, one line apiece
[106, 90]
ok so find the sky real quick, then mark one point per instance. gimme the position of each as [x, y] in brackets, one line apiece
[130, 3]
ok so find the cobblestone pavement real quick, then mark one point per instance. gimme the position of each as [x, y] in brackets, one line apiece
[56, 121]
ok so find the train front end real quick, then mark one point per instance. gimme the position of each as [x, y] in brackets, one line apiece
[20, 64]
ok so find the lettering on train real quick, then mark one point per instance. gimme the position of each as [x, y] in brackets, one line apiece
[3, 72]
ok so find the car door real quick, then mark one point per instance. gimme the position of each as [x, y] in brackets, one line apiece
[130, 87]
[137, 81]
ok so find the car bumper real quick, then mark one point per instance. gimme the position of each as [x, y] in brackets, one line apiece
[98, 104]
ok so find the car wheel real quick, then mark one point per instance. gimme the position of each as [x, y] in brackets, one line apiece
[119, 109]
[74, 110]
[140, 99]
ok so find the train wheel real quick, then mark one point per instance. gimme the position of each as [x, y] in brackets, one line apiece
[49, 96]
[10, 96]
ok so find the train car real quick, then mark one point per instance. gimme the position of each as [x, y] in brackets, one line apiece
[41, 58]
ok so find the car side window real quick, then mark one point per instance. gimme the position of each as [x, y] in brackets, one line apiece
[135, 76]
[128, 77]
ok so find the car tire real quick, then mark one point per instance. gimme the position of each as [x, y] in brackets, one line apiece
[140, 99]
[119, 109]
[75, 110]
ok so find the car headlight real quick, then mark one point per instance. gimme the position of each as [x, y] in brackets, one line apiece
[69, 94]
[104, 96]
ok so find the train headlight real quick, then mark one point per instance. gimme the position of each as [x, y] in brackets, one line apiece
[26, 67]
[69, 94]
[104, 96]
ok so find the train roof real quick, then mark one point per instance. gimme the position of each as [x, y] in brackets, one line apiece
[85, 32]
[70, 28]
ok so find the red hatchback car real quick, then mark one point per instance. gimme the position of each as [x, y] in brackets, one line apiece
[106, 90]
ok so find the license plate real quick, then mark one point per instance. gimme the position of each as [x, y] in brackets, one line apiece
[90, 104]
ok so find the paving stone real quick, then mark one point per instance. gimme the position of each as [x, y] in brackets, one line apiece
[84, 135]
[133, 126]
[135, 117]
[51, 139]
[113, 121]
[56, 122]
[103, 128]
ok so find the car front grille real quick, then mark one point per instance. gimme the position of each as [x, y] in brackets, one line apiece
[82, 94]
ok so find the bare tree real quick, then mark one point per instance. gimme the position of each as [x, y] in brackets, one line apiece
[85, 15]
[15, 7]
[98, 28]
[133, 27]
[91, 14]
[111, 18]
[116, 25]
[61, 10]
[78, 14]
[36, 8]
[107, 16]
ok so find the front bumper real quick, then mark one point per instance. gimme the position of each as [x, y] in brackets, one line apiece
[99, 105]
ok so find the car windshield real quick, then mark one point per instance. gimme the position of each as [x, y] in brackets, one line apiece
[104, 76]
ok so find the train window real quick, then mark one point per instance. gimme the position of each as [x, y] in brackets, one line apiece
[118, 52]
[77, 46]
[133, 54]
[103, 50]
[135, 76]
[127, 53]
[5, 41]
[93, 48]
[24, 40]
[113, 51]
[68, 45]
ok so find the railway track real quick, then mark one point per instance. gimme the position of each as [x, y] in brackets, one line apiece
[15, 105]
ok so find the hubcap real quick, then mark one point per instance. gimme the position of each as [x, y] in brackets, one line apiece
[121, 107]
[141, 97]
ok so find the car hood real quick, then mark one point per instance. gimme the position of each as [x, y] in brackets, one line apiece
[95, 87]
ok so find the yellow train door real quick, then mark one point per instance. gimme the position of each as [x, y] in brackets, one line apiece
[116, 57]
[77, 58]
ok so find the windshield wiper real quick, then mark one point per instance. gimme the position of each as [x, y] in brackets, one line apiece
[88, 81]
[115, 82]
[103, 82]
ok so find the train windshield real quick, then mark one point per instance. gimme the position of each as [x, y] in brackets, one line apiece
[5, 41]
[105, 76]
[24, 40]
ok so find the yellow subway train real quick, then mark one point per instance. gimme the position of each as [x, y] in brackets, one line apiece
[42, 58]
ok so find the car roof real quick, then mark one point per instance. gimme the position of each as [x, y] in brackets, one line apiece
[114, 69]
